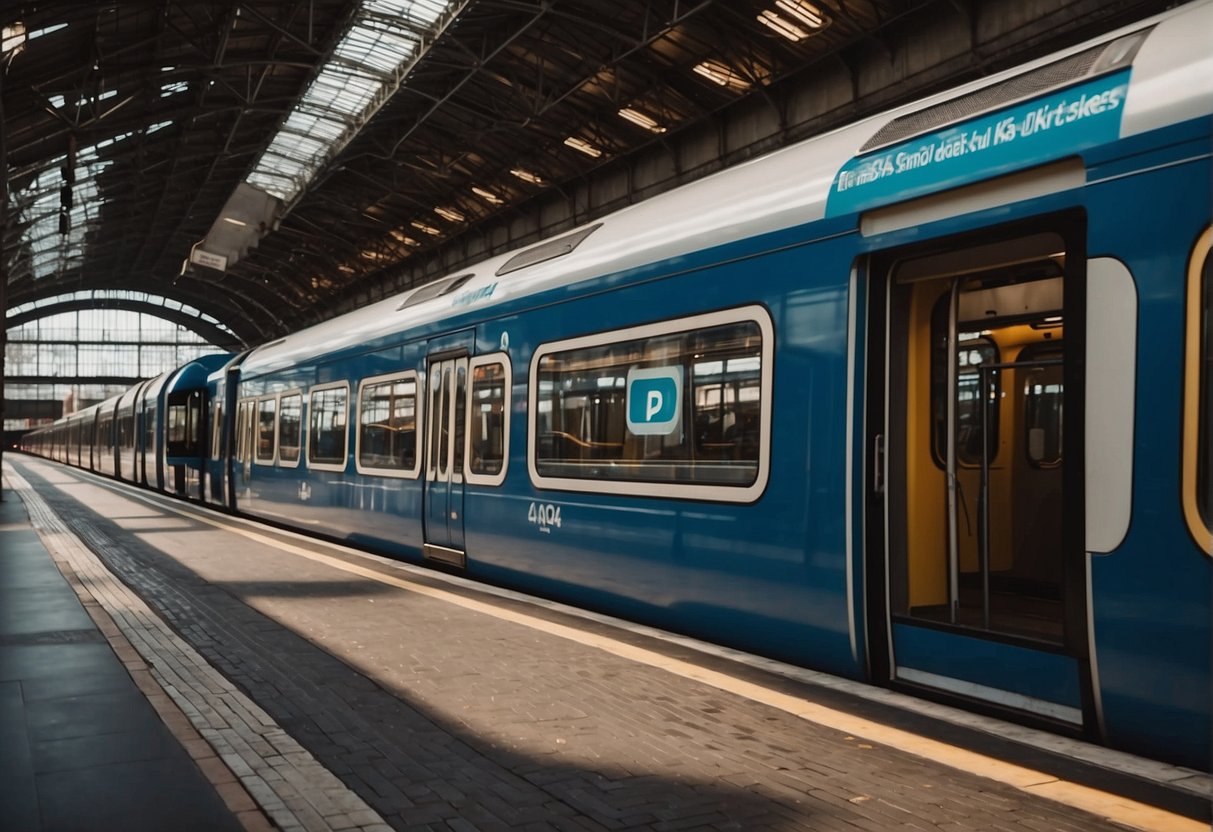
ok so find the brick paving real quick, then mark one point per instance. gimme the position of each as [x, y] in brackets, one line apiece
[440, 717]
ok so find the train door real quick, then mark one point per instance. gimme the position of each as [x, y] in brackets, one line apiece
[245, 442]
[445, 415]
[975, 521]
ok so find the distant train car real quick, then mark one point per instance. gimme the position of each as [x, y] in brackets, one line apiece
[917, 402]
[185, 403]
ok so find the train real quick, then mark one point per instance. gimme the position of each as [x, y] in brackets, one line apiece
[869, 404]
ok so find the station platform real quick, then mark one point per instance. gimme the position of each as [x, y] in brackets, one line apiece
[165, 666]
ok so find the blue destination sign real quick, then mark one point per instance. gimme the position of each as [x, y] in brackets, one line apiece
[1059, 124]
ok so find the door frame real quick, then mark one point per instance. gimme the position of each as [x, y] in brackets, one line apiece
[445, 545]
[882, 513]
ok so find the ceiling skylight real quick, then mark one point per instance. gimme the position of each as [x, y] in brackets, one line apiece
[94, 295]
[366, 68]
[57, 223]
[805, 12]
[781, 26]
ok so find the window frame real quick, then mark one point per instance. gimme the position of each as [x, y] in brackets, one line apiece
[286, 394]
[752, 313]
[470, 476]
[272, 459]
[328, 466]
[1194, 419]
[418, 405]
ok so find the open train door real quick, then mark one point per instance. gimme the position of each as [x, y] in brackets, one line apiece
[976, 570]
[445, 425]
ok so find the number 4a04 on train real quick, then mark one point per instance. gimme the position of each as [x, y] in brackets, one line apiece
[924, 401]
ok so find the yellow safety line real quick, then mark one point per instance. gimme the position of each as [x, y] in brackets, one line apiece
[1105, 804]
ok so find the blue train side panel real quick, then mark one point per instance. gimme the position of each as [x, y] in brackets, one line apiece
[767, 576]
[1151, 618]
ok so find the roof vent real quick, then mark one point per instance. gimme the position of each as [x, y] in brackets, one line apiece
[1097, 60]
[547, 251]
[436, 289]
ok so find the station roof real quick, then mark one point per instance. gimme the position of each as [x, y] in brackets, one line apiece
[258, 160]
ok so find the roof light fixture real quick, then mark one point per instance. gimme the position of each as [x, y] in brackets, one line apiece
[583, 146]
[235, 221]
[720, 73]
[400, 237]
[782, 27]
[642, 120]
[527, 176]
[449, 214]
[805, 12]
[428, 229]
[488, 196]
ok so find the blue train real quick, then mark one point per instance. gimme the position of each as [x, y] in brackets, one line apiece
[870, 404]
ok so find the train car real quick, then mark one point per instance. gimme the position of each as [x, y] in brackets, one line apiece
[105, 450]
[184, 429]
[221, 387]
[128, 439]
[151, 443]
[871, 403]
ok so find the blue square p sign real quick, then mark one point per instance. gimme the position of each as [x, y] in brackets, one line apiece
[654, 400]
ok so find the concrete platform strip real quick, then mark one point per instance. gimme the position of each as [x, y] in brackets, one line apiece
[1109, 806]
[1190, 781]
[255, 765]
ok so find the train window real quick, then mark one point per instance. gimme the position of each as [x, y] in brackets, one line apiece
[682, 405]
[1198, 396]
[266, 423]
[488, 418]
[327, 433]
[973, 349]
[1043, 398]
[149, 429]
[290, 413]
[387, 426]
[241, 444]
[217, 431]
[176, 424]
[460, 414]
[125, 440]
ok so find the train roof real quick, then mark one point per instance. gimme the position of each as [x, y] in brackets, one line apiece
[1171, 82]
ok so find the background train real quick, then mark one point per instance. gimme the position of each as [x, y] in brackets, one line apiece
[924, 401]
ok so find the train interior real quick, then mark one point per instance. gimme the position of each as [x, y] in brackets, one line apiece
[982, 379]
[582, 409]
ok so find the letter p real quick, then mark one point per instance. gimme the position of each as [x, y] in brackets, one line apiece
[652, 405]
